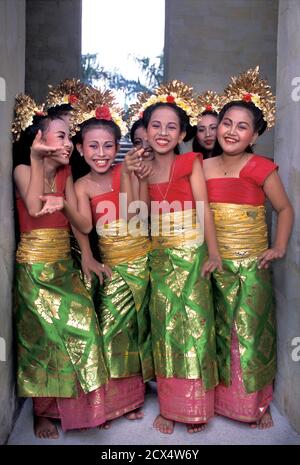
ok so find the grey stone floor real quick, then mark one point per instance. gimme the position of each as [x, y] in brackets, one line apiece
[124, 432]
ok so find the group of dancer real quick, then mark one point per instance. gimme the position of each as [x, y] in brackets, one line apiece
[183, 294]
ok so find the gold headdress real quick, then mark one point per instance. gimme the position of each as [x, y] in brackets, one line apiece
[67, 92]
[248, 87]
[25, 110]
[210, 101]
[173, 92]
[97, 104]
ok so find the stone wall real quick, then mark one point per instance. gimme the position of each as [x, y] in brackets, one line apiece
[287, 155]
[207, 41]
[12, 75]
[53, 43]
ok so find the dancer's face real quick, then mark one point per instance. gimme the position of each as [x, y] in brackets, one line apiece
[207, 131]
[57, 135]
[164, 132]
[140, 141]
[99, 149]
[236, 131]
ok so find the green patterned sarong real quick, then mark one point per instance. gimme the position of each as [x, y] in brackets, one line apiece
[182, 317]
[59, 342]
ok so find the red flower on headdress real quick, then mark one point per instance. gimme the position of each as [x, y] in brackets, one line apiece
[40, 113]
[247, 97]
[73, 99]
[170, 99]
[208, 108]
[141, 114]
[103, 113]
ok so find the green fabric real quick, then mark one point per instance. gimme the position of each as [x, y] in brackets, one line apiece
[59, 341]
[243, 295]
[123, 312]
[182, 318]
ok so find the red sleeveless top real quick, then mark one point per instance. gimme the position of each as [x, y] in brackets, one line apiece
[178, 188]
[247, 189]
[108, 203]
[55, 220]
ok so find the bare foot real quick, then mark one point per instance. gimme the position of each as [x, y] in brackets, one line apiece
[134, 415]
[265, 421]
[163, 425]
[44, 428]
[105, 425]
[195, 427]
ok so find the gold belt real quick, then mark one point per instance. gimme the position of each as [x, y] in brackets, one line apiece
[176, 229]
[241, 230]
[44, 245]
[116, 247]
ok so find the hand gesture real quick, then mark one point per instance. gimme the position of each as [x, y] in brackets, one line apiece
[269, 255]
[40, 150]
[90, 265]
[53, 203]
[145, 170]
[214, 262]
[132, 160]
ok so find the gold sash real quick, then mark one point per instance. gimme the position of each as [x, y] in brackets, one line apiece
[44, 245]
[118, 246]
[241, 230]
[176, 229]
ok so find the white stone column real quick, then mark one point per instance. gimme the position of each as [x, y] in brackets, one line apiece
[287, 155]
[12, 75]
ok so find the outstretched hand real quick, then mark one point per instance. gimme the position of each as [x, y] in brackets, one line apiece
[40, 150]
[53, 203]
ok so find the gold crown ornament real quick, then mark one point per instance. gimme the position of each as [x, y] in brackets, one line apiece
[248, 87]
[210, 101]
[99, 104]
[25, 110]
[68, 92]
[176, 92]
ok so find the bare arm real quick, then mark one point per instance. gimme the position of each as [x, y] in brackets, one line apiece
[276, 193]
[198, 185]
[79, 217]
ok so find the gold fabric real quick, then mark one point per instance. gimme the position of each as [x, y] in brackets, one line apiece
[176, 229]
[241, 230]
[44, 245]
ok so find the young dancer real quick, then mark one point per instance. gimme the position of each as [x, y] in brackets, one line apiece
[182, 320]
[123, 299]
[239, 182]
[60, 360]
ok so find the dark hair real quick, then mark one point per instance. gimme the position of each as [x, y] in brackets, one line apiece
[259, 124]
[21, 148]
[136, 125]
[184, 120]
[92, 123]
[60, 110]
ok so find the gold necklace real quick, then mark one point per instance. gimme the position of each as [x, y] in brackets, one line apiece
[52, 185]
[169, 184]
[225, 171]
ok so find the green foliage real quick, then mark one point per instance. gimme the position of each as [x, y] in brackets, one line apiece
[151, 75]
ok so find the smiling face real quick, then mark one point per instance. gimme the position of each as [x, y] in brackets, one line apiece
[99, 148]
[236, 131]
[140, 141]
[163, 131]
[57, 135]
[207, 131]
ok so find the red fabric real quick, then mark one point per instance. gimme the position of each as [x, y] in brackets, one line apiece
[123, 395]
[112, 213]
[185, 400]
[233, 401]
[179, 189]
[84, 411]
[247, 188]
[56, 220]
